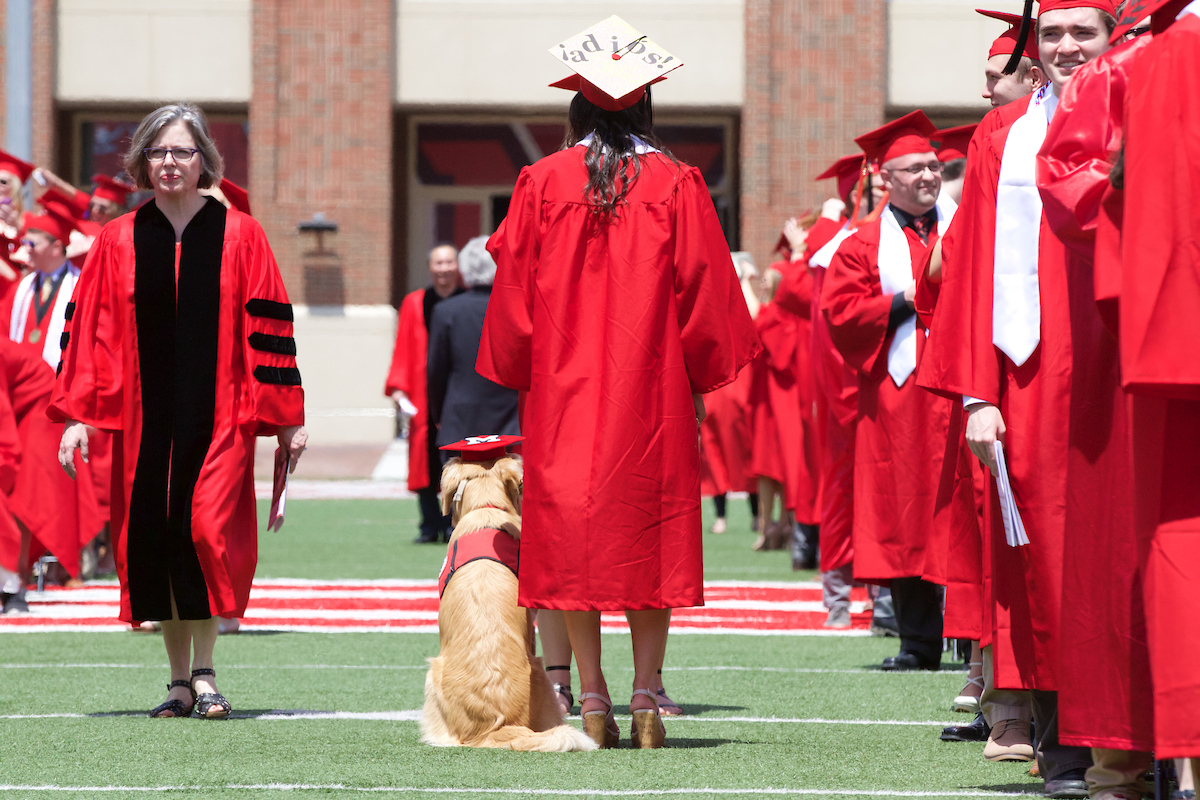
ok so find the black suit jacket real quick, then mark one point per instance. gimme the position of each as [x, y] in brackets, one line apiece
[462, 403]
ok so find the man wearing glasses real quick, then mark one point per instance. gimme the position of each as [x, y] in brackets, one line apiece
[900, 523]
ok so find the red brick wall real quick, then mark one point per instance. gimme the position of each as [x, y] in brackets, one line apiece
[45, 30]
[814, 80]
[321, 141]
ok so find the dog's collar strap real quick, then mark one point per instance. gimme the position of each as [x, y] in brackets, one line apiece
[487, 543]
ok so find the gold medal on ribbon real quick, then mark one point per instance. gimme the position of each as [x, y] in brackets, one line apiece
[35, 336]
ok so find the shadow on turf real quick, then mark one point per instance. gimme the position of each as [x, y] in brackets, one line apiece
[945, 667]
[700, 708]
[1032, 788]
[238, 714]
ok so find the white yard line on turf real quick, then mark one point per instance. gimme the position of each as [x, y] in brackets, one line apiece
[786, 670]
[706, 791]
[414, 715]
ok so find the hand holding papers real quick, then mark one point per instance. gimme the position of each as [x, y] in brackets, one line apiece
[1014, 528]
[279, 492]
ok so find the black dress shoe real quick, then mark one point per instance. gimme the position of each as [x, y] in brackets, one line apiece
[884, 626]
[977, 731]
[907, 661]
[1069, 784]
[426, 537]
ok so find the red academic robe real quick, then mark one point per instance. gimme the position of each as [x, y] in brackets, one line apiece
[609, 326]
[899, 523]
[836, 387]
[1022, 585]
[186, 376]
[794, 295]
[1159, 324]
[1104, 684]
[63, 515]
[25, 385]
[775, 402]
[725, 437]
[408, 374]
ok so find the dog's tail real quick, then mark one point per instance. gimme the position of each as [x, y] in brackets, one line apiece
[559, 739]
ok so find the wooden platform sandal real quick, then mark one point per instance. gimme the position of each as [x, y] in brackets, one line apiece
[648, 732]
[209, 701]
[176, 707]
[601, 726]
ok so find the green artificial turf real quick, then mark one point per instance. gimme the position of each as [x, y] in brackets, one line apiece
[114, 678]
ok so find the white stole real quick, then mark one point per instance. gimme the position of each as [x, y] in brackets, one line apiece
[23, 303]
[896, 275]
[824, 257]
[1191, 8]
[1016, 303]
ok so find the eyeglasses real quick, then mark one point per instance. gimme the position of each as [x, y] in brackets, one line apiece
[919, 169]
[181, 155]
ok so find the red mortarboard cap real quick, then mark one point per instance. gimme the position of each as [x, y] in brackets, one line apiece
[1138, 10]
[236, 195]
[1107, 6]
[51, 221]
[847, 170]
[10, 163]
[952, 142]
[1006, 42]
[483, 448]
[111, 189]
[61, 204]
[613, 63]
[900, 137]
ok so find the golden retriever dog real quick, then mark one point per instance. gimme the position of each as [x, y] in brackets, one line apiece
[486, 688]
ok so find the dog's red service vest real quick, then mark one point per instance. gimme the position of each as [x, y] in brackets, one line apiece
[488, 543]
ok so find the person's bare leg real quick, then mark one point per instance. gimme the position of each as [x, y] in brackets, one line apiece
[556, 651]
[648, 629]
[766, 512]
[204, 639]
[1185, 772]
[177, 638]
[583, 631]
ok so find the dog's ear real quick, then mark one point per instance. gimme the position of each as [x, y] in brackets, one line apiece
[452, 475]
[512, 473]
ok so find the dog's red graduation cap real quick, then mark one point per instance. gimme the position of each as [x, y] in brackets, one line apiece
[483, 448]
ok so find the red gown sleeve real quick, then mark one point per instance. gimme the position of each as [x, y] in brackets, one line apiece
[10, 440]
[854, 305]
[505, 349]
[90, 386]
[272, 397]
[412, 312]
[715, 327]
[796, 287]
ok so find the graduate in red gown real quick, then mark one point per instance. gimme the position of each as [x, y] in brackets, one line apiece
[181, 344]
[614, 315]
[13, 174]
[406, 385]
[1159, 299]
[1002, 344]
[25, 385]
[1105, 698]
[899, 526]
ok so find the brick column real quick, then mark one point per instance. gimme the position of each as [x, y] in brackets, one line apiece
[321, 142]
[45, 68]
[815, 79]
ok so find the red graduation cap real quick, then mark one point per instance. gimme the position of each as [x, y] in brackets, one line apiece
[112, 189]
[10, 163]
[900, 137]
[63, 205]
[483, 448]
[613, 62]
[847, 170]
[1107, 6]
[952, 142]
[596, 96]
[51, 221]
[1006, 42]
[236, 195]
[1161, 12]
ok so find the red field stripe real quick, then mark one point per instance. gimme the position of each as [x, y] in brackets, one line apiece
[346, 604]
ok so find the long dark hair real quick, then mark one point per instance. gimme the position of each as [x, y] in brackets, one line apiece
[613, 163]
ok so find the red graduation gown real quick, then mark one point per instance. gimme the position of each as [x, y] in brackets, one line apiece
[186, 384]
[775, 401]
[1104, 682]
[25, 385]
[408, 374]
[609, 326]
[899, 524]
[1023, 585]
[725, 437]
[1159, 324]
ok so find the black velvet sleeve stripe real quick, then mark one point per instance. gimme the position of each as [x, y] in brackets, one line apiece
[283, 345]
[269, 309]
[283, 376]
[62, 340]
[58, 371]
[70, 312]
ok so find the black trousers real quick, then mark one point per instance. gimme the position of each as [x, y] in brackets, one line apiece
[1054, 758]
[918, 609]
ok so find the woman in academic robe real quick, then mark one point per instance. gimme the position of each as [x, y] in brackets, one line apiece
[615, 307]
[180, 343]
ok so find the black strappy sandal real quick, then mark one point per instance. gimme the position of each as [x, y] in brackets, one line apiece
[563, 689]
[210, 700]
[176, 707]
